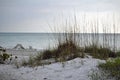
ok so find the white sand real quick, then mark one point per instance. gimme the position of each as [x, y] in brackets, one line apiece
[77, 69]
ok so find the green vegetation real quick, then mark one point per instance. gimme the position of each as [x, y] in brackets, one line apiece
[118, 53]
[112, 66]
[110, 70]
[4, 56]
[66, 51]
[99, 52]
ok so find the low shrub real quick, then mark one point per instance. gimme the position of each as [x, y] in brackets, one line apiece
[4, 57]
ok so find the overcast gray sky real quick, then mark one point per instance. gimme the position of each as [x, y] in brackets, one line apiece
[34, 15]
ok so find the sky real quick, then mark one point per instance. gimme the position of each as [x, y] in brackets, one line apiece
[39, 15]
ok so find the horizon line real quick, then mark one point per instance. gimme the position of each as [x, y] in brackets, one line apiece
[56, 32]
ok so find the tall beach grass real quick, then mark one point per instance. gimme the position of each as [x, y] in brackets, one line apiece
[80, 35]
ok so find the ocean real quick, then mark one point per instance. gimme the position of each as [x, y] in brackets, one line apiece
[36, 40]
[48, 40]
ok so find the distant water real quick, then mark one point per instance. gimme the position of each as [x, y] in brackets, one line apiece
[36, 40]
[46, 40]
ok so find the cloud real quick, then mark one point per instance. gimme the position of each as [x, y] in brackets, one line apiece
[27, 14]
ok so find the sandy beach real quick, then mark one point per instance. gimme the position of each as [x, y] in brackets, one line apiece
[76, 69]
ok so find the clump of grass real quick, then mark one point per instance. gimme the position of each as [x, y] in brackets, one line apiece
[69, 50]
[67, 47]
[99, 52]
[31, 62]
[64, 51]
[113, 67]
[47, 54]
[69, 41]
[118, 53]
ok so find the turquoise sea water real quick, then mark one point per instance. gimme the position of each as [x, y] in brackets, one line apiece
[46, 40]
